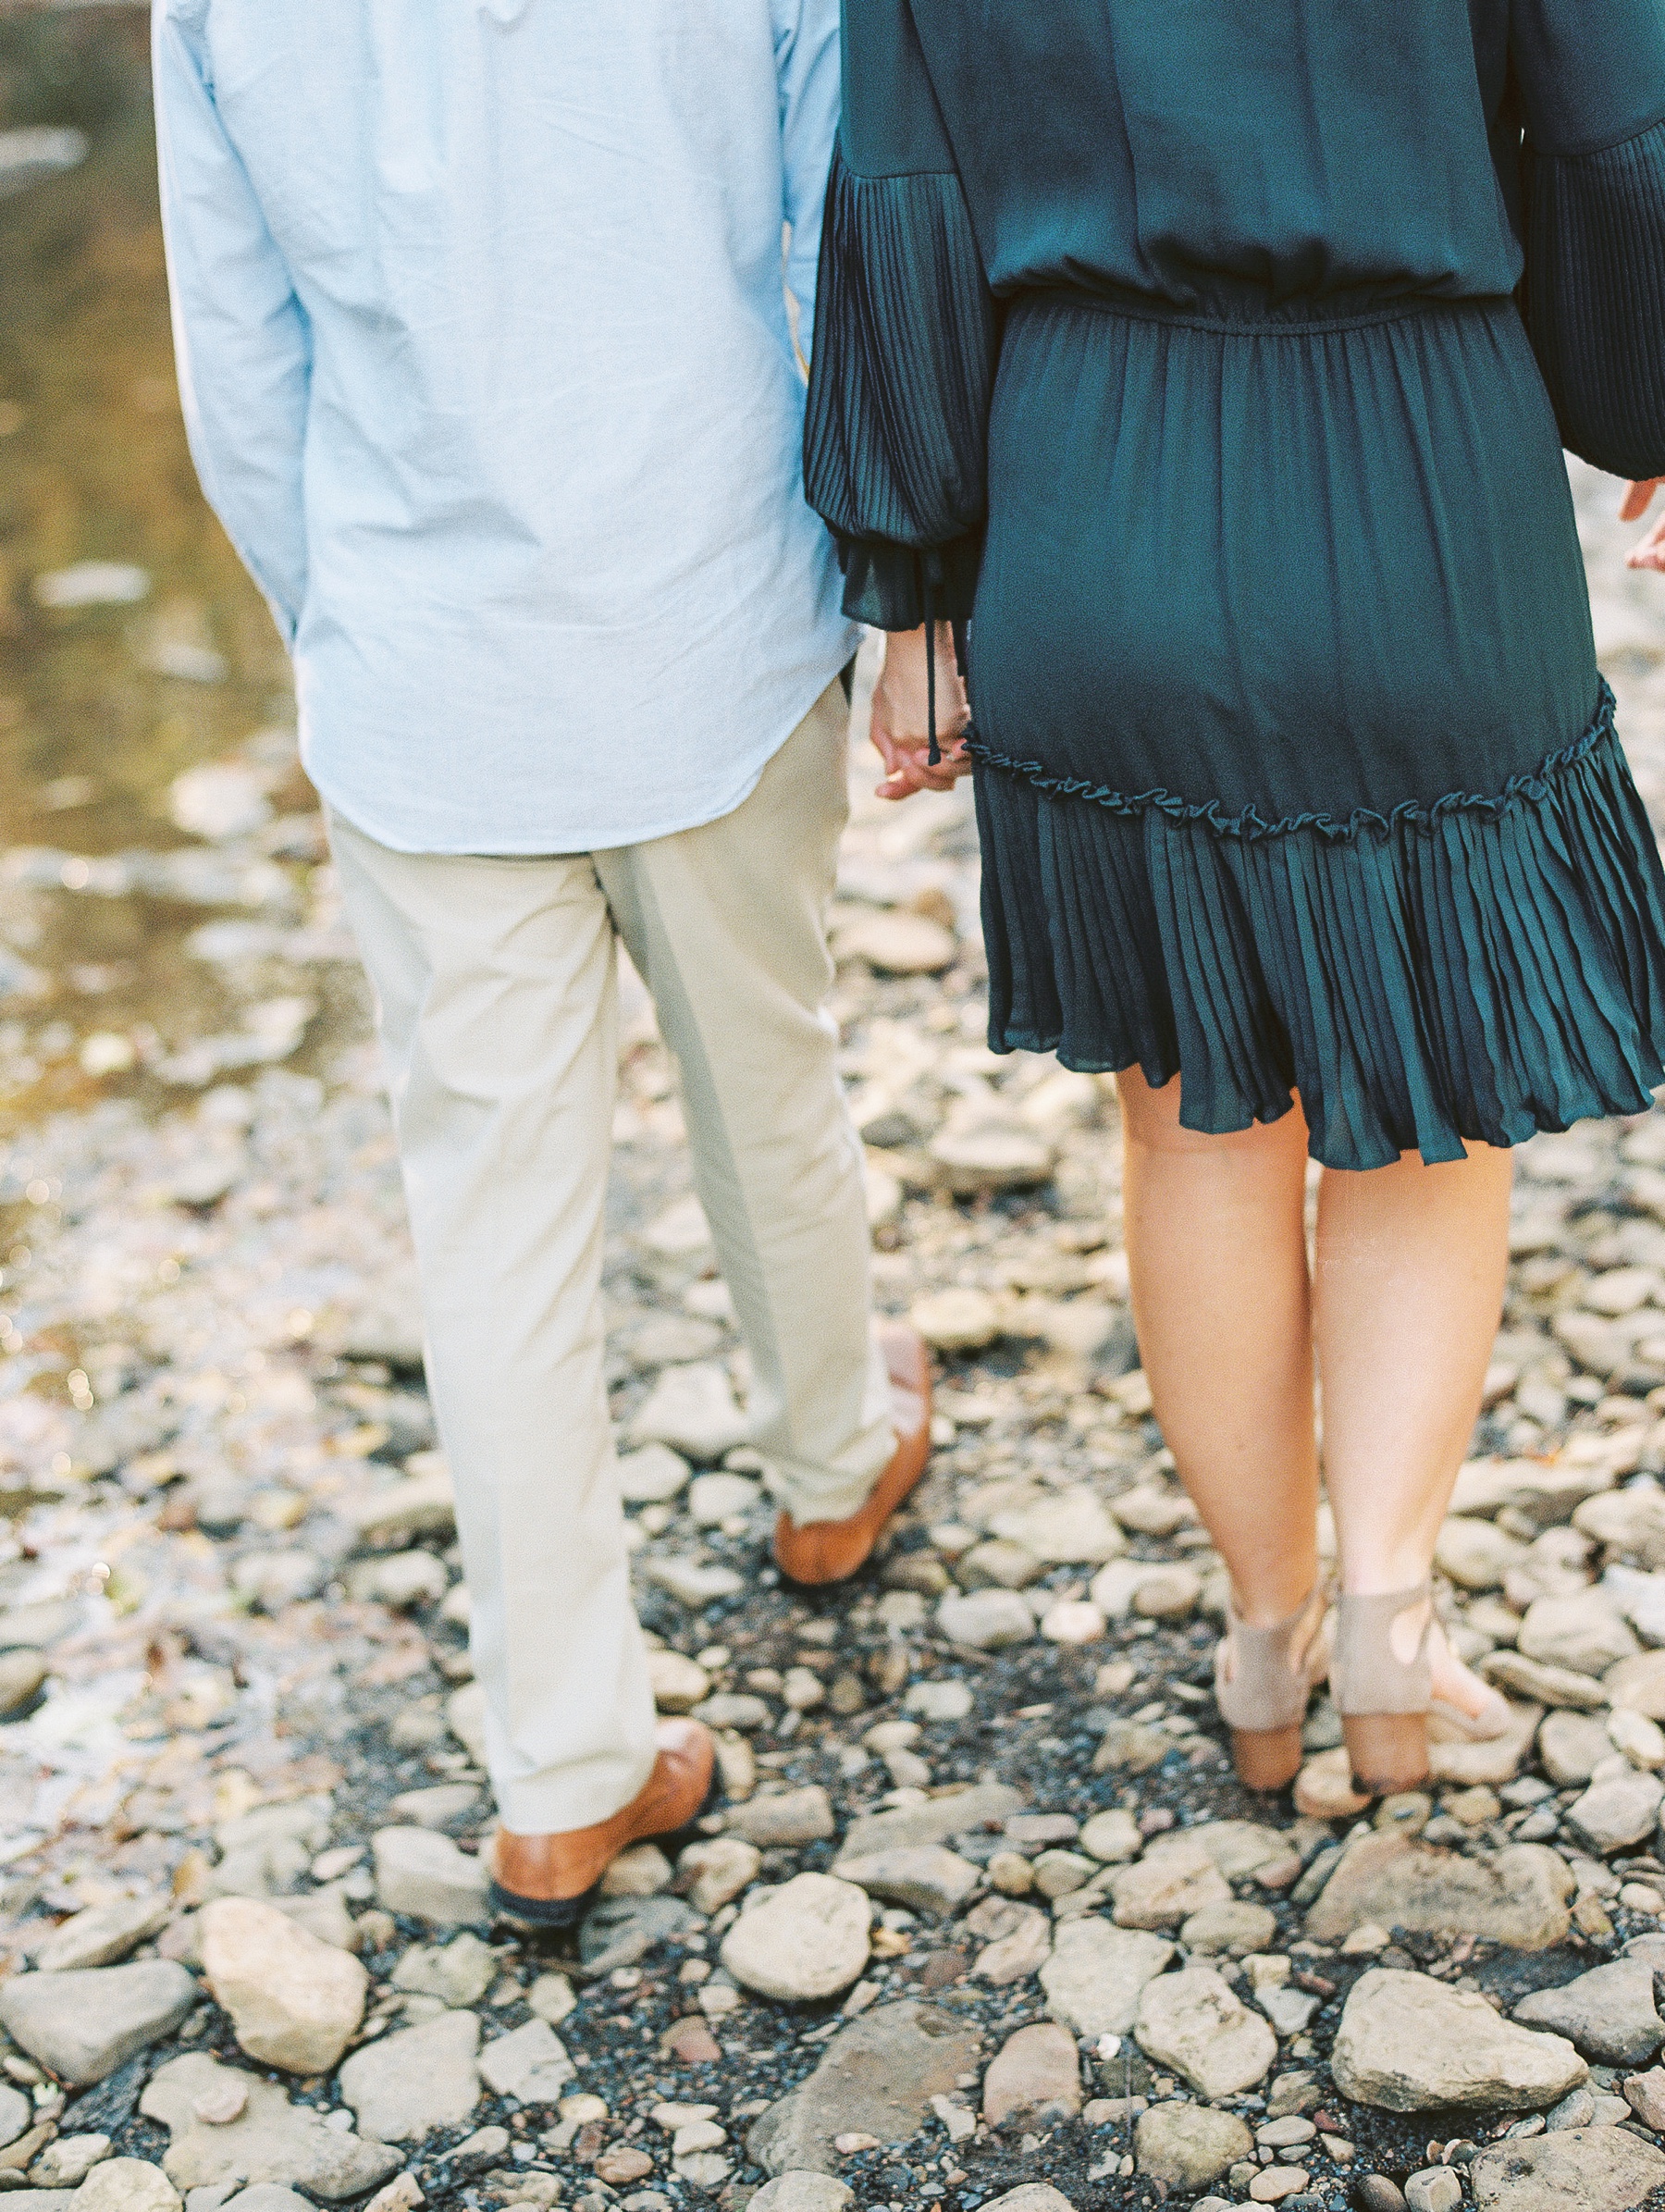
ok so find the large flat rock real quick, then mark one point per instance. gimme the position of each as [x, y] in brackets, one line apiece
[82, 2025]
[270, 2141]
[877, 2077]
[1577, 2169]
[1408, 2044]
[1520, 1896]
[984, 1805]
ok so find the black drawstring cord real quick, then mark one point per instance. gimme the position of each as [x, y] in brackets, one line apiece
[930, 566]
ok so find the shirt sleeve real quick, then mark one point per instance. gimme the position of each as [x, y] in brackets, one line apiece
[805, 35]
[1591, 81]
[242, 340]
[896, 434]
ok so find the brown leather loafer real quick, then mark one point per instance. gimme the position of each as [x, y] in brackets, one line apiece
[822, 1552]
[549, 1881]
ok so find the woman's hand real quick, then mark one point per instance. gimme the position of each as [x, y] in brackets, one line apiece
[1649, 551]
[901, 728]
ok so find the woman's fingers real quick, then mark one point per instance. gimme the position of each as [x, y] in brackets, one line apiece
[1649, 551]
[1638, 497]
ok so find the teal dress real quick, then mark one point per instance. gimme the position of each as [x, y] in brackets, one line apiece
[1208, 363]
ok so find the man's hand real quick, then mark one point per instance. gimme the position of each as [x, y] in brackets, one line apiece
[1649, 551]
[900, 729]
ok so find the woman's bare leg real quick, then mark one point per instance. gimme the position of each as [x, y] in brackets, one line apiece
[1408, 1292]
[1217, 1250]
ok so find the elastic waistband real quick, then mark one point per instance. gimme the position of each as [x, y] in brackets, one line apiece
[1250, 311]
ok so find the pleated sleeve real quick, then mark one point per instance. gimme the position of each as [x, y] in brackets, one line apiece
[1591, 75]
[895, 436]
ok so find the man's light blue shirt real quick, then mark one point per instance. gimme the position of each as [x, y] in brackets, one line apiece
[487, 372]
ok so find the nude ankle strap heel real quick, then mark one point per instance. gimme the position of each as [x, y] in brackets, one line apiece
[1262, 1679]
[1383, 1700]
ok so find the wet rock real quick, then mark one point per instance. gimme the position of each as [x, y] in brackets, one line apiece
[957, 1812]
[1174, 1879]
[999, 1563]
[1639, 1683]
[893, 941]
[417, 2080]
[425, 1874]
[1036, 2073]
[714, 1499]
[458, 1973]
[1408, 2043]
[295, 2002]
[1584, 1632]
[928, 1878]
[419, 1504]
[104, 1934]
[1619, 1807]
[1493, 1761]
[1476, 1554]
[1067, 1528]
[1645, 2093]
[956, 1319]
[939, 1700]
[1193, 2022]
[678, 1683]
[788, 1818]
[692, 1410]
[1629, 1521]
[1582, 2169]
[66, 2163]
[642, 1871]
[16, 2113]
[807, 1939]
[1112, 1837]
[529, 2064]
[1571, 1746]
[652, 1476]
[1640, 1740]
[1098, 1973]
[692, 1582]
[979, 1152]
[1188, 2147]
[1558, 1686]
[712, 1874]
[1608, 2013]
[1230, 1926]
[402, 1580]
[126, 2185]
[1131, 1746]
[1017, 1940]
[802, 2193]
[877, 2077]
[619, 1931]
[271, 2140]
[434, 1807]
[82, 2025]
[1519, 1898]
[986, 1620]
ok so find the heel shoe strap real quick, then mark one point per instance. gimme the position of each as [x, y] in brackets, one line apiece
[1261, 1679]
[1366, 1674]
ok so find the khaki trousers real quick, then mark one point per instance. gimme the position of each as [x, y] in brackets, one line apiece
[495, 1000]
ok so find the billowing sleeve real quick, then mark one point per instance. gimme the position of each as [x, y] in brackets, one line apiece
[895, 438]
[1591, 75]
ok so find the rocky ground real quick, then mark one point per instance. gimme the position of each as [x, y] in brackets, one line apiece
[983, 1919]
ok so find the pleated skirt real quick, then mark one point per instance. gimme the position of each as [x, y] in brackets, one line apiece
[1296, 772]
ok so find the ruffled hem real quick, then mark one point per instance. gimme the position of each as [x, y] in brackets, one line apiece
[1475, 970]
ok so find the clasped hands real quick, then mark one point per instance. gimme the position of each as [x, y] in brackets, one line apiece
[901, 725]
